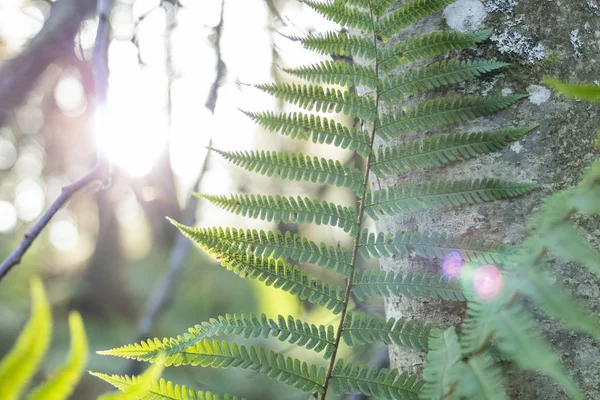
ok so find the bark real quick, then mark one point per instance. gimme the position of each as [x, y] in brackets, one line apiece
[554, 156]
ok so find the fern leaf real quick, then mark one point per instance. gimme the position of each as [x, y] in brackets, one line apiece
[427, 46]
[63, 382]
[272, 244]
[477, 327]
[437, 194]
[224, 355]
[381, 283]
[435, 76]
[589, 92]
[162, 389]
[19, 365]
[287, 209]
[137, 387]
[371, 381]
[480, 378]
[407, 15]
[318, 129]
[360, 329]
[342, 15]
[518, 335]
[440, 372]
[323, 99]
[566, 241]
[288, 330]
[297, 167]
[432, 245]
[378, 7]
[339, 44]
[440, 150]
[337, 73]
[435, 113]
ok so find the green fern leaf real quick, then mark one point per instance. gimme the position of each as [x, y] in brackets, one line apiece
[566, 241]
[319, 130]
[477, 327]
[323, 99]
[440, 372]
[63, 382]
[378, 7]
[518, 335]
[287, 209]
[589, 92]
[407, 15]
[137, 387]
[342, 15]
[440, 150]
[224, 355]
[438, 194]
[432, 245]
[480, 378]
[272, 244]
[381, 283]
[371, 381]
[439, 112]
[360, 329]
[339, 44]
[434, 76]
[288, 330]
[19, 365]
[337, 73]
[427, 46]
[162, 390]
[298, 167]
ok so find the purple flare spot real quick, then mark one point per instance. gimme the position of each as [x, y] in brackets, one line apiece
[488, 282]
[452, 264]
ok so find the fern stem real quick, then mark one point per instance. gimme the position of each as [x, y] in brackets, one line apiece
[359, 218]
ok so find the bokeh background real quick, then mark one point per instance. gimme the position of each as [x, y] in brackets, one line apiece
[179, 73]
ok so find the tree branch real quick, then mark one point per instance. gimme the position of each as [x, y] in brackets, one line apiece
[101, 171]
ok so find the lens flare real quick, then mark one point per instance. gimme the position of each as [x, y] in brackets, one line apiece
[488, 282]
[452, 263]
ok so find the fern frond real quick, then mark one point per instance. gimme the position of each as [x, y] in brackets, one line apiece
[271, 244]
[360, 329]
[427, 46]
[432, 245]
[440, 372]
[224, 355]
[439, 150]
[63, 382]
[407, 15]
[434, 76]
[381, 283]
[288, 330]
[318, 129]
[477, 327]
[439, 112]
[337, 73]
[438, 194]
[323, 99]
[518, 335]
[342, 15]
[19, 365]
[287, 209]
[567, 242]
[297, 167]
[162, 389]
[132, 387]
[371, 381]
[379, 7]
[480, 378]
[284, 276]
[339, 44]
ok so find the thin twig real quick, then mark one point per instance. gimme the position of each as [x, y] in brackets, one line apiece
[100, 171]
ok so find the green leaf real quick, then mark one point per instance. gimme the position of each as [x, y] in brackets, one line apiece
[297, 167]
[361, 329]
[408, 14]
[337, 73]
[342, 15]
[440, 373]
[62, 384]
[315, 128]
[566, 241]
[439, 112]
[434, 76]
[480, 378]
[19, 365]
[432, 245]
[438, 151]
[339, 44]
[585, 91]
[322, 99]
[137, 387]
[380, 283]
[287, 209]
[439, 194]
[371, 381]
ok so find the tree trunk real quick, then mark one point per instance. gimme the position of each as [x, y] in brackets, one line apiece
[565, 33]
